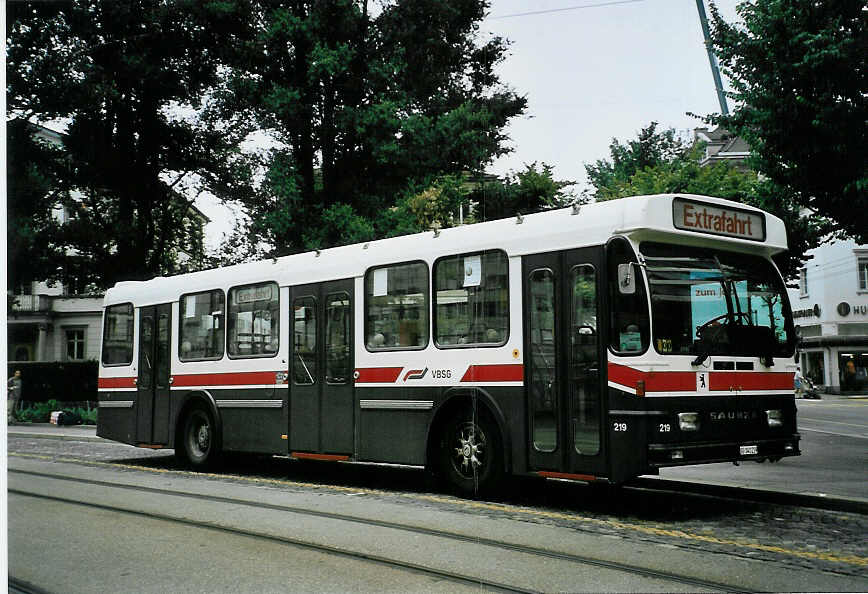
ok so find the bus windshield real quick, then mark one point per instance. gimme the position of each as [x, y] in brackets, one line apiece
[710, 302]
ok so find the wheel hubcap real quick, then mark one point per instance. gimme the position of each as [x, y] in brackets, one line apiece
[202, 438]
[469, 451]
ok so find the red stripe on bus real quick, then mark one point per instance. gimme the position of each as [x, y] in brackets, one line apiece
[247, 378]
[566, 475]
[655, 381]
[326, 457]
[378, 375]
[494, 373]
[724, 381]
[116, 382]
[685, 381]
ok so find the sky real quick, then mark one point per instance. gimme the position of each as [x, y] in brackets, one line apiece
[592, 70]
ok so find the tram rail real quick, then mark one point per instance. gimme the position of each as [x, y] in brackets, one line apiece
[663, 576]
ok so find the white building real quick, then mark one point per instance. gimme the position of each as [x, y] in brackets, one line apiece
[831, 313]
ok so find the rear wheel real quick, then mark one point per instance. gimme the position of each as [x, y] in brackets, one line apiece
[470, 454]
[198, 445]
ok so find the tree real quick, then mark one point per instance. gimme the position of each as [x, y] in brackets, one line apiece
[651, 148]
[363, 110]
[31, 198]
[127, 78]
[679, 171]
[799, 73]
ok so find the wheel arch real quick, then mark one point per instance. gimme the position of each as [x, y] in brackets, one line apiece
[453, 400]
[194, 399]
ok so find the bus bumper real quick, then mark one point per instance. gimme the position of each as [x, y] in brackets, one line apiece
[682, 454]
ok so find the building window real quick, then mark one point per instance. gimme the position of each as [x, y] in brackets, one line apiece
[201, 329]
[117, 340]
[253, 324]
[75, 344]
[863, 273]
[803, 282]
[396, 298]
[471, 299]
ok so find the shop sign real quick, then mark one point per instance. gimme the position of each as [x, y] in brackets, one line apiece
[844, 309]
[808, 313]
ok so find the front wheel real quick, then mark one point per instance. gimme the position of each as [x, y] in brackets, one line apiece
[198, 446]
[470, 452]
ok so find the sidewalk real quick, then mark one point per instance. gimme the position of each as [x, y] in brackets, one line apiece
[49, 431]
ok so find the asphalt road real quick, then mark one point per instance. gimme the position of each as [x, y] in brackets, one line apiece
[333, 527]
[834, 460]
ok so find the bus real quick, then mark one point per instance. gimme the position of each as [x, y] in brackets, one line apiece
[593, 343]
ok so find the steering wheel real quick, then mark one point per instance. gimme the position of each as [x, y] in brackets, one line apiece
[719, 321]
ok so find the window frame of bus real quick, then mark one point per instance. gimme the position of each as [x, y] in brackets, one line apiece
[348, 342]
[276, 312]
[434, 292]
[614, 295]
[426, 293]
[132, 342]
[316, 338]
[182, 306]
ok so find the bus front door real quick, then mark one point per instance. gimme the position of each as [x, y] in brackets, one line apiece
[153, 398]
[564, 377]
[321, 410]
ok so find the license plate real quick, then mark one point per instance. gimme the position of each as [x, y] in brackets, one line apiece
[748, 450]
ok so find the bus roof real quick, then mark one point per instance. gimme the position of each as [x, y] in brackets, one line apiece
[662, 217]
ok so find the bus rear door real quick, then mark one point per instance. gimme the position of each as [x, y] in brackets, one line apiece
[564, 377]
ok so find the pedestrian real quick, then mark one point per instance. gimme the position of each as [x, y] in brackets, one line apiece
[799, 383]
[13, 396]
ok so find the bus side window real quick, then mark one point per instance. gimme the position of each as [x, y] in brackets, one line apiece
[253, 320]
[629, 331]
[201, 335]
[396, 307]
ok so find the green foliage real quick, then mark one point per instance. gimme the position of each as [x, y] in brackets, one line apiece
[798, 70]
[527, 191]
[651, 148]
[33, 253]
[120, 74]
[37, 412]
[644, 168]
[40, 412]
[439, 203]
[368, 113]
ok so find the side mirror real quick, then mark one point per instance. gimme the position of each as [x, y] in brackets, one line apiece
[626, 279]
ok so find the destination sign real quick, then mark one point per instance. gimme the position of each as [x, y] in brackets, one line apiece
[718, 220]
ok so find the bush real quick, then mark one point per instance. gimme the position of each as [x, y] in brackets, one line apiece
[40, 412]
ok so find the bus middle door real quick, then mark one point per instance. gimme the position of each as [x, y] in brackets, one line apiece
[322, 410]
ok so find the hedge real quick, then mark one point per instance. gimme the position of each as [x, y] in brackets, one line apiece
[73, 381]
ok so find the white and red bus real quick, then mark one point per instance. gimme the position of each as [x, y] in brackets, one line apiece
[595, 343]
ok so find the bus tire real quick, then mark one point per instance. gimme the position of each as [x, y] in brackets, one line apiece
[470, 452]
[199, 447]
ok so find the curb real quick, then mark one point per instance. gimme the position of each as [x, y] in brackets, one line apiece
[857, 506]
[55, 436]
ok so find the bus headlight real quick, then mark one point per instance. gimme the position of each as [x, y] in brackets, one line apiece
[688, 421]
[775, 417]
